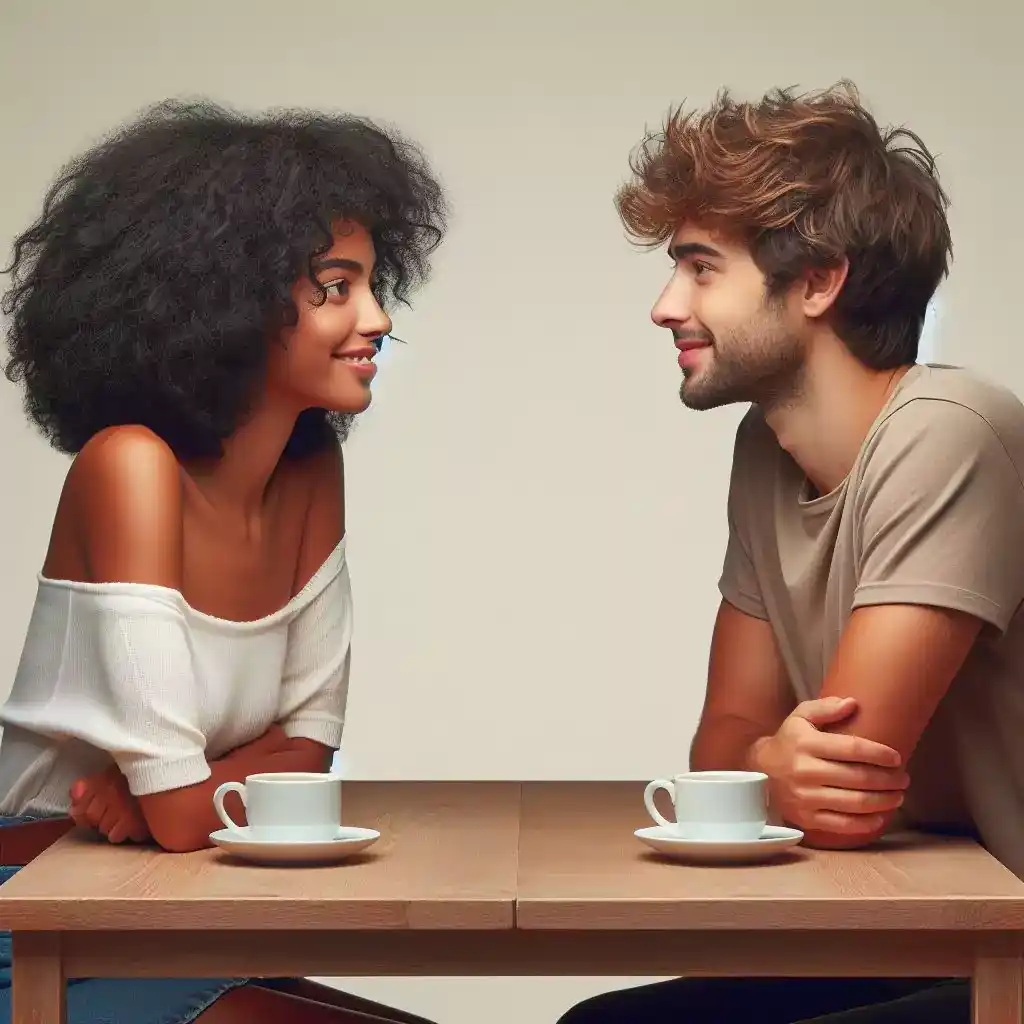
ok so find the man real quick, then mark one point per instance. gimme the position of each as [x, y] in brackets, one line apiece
[875, 566]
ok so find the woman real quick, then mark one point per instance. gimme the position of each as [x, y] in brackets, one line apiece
[195, 316]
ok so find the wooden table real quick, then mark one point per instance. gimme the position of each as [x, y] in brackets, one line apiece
[514, 879]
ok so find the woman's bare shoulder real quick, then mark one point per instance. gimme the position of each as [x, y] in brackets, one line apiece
[121, 510]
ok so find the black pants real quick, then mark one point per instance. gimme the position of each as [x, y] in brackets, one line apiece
[781, 1001]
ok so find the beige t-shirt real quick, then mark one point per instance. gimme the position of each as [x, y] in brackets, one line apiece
[932, 513]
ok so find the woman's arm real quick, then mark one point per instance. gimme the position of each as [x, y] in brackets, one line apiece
[104, 802]
[181, 820]
[273, 740]
[131, 512]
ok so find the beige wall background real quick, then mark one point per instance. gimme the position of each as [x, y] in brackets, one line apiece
[536, 524]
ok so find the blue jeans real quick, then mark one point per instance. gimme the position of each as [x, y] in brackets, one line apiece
[120, 1000]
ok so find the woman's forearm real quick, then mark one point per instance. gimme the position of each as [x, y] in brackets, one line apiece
[272, 741]
[181, 820]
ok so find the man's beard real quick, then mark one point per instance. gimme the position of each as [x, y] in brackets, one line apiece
[760, 362]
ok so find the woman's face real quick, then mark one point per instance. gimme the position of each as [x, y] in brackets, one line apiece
[326, 359]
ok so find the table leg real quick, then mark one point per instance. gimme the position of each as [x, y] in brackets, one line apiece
[37, 979]
[998, 990]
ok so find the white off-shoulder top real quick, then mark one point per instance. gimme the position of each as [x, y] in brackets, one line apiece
[130, 671]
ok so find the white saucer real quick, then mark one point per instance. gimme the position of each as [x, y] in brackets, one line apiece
[773, 840]
[348, 842]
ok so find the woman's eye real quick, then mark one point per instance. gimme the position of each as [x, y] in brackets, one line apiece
[340, 288]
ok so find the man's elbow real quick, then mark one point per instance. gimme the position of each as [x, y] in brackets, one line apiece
[843, 840]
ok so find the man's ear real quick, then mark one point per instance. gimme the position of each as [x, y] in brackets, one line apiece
[819, 288]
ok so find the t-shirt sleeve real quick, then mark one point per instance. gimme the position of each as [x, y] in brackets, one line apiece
[314, 687]
[121, 678]
[940, 514]
[738, 583]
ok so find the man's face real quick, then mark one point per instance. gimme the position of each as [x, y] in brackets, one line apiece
[735, 343]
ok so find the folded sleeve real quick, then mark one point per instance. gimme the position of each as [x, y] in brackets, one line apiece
[121, 678]
[940, 514]
[314, 687]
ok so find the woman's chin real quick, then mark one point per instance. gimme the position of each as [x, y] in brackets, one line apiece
[349, 404]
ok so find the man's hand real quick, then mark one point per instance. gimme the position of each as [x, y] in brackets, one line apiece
[828, 782]
[103, 802]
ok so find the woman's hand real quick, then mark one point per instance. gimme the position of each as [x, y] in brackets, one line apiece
[103, 802]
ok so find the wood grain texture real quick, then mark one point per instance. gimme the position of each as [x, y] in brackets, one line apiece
[581, 867]
[446, 859]
[511, 879]
[38, 990]
[998, 981]
[493, 953]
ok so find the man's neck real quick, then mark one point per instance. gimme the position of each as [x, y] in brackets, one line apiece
[824, 425]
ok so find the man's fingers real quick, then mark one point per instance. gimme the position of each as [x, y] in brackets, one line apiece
[843, 775]
[850, 801]
[837, 747]
[825, 710]
[843, 824]
[813, 771]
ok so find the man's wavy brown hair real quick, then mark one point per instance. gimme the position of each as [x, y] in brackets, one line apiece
[804, 181]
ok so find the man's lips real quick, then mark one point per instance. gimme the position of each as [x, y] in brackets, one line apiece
[689, 352]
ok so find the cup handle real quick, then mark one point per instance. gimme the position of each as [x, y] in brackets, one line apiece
[218, 802]
[649, 792]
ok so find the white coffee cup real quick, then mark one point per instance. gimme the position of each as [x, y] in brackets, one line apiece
[713, 806]
[285, 806]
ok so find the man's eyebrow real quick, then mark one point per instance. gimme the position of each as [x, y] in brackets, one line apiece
[684, 250]
[336, 263]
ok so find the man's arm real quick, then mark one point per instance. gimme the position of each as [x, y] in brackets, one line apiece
[748, 695]
[940, 514]
[897, 662]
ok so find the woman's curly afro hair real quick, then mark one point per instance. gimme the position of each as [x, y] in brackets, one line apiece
[162, 265]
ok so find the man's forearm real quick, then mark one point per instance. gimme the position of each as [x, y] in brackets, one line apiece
[726, 744]
[730, 744]
[181, 820]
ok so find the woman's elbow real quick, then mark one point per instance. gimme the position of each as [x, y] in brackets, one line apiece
[181, 842]
[171, 826]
